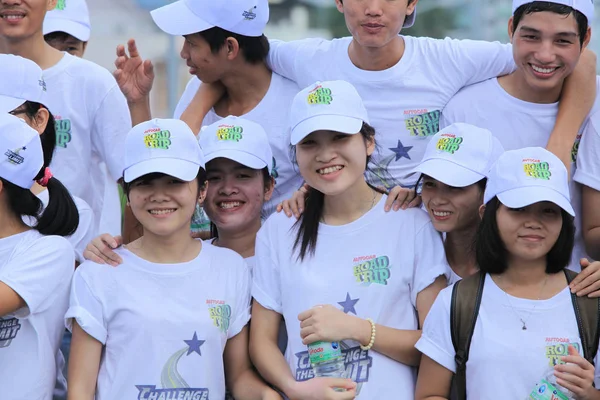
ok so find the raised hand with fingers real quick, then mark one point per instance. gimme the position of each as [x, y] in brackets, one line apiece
[100, 250]
[577, 375]
[401, 198]
[330, 324]
[134, 75]
[295, 205]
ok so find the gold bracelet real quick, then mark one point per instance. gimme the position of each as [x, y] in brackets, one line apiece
[373, 333]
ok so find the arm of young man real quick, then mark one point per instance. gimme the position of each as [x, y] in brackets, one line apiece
[84, 365]
[577, 99]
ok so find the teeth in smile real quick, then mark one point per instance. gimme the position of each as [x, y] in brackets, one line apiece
[543, 70]
[13, 17]
[441, 213]
[230, 204]
[330, 170]
[162, 212]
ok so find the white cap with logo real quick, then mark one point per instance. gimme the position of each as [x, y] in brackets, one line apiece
[237, 139]
[185, 17]
[21, 154]
[334, 106]
[165, 146]
[460, 155]
[69, 16]
[586, 7]
[527, 176]
[21, 81]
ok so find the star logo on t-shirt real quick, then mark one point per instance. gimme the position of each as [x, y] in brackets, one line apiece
[194, 345]
[401, 151]
[349, 304]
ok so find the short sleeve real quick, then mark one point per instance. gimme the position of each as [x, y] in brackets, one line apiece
[266, 286]
[430, 258]
[85, 232]
[473, 61]
[85, 307]
[112, 122]
[436, 340]
[186, 98]
[241, 313]
[38, 272]
[588, 155]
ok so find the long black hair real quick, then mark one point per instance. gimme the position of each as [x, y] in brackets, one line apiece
[61, 216]
[308, 225]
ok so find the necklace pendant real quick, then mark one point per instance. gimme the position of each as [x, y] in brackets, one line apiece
[524, 328]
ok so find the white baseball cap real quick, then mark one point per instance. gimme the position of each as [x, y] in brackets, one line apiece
[21, 81]
[586, 7]
[410, 19]
[167, 146]
[184, 17]
[526, 176]
[460, 155]
[334, 106]
[239, 140]
[69, 16]
[21, 154]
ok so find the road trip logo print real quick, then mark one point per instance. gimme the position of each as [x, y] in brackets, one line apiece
[9, 327]
[63, 132]
[220, 314]
[372, 270]
[449, 143]
[320, 95]
[537, 169]
[230, 132]
[422, 125]
[157, 139]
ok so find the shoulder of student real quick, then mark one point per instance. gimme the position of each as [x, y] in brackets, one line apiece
[415, 217]
[278, 224]
[472, 94]
[90, 74]
[48, 247]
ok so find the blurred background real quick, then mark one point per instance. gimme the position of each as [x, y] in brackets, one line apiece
[115, 21]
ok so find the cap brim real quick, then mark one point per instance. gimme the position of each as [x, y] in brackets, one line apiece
[449, 173]
[525, 196]
[75, 29]
[410, 19]
[335, 123]
[178, 20]
[246, 159]
[7, 104]
[180, 169]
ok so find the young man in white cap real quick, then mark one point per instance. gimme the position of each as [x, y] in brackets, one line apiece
[224, 43]
[90, 111]
[67, 27]
[404, 81]
[521, 108]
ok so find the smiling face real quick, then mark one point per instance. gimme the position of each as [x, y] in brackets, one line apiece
[235, 194]
[162, 204]
[332, 162]
[375, 23]
[21, 19]
[529, 233]
[546, 49]
[203, 63]
[451, 208]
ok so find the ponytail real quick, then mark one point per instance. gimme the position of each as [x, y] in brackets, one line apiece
[61, 216]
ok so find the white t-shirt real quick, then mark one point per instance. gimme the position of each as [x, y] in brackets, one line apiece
[164, 326]
[92, 121]
[505, 361]
[39, 269]
[516, 124]
[373, 267]
[404, 102]
[85, 230]
[272, 113]
[588, 158]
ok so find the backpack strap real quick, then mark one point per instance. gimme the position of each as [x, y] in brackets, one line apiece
[587, 313]
[464, 309]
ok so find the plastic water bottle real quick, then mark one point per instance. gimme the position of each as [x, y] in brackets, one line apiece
[327, 360]
[549, 389]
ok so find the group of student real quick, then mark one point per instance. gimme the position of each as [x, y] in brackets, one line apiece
[350, 190]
